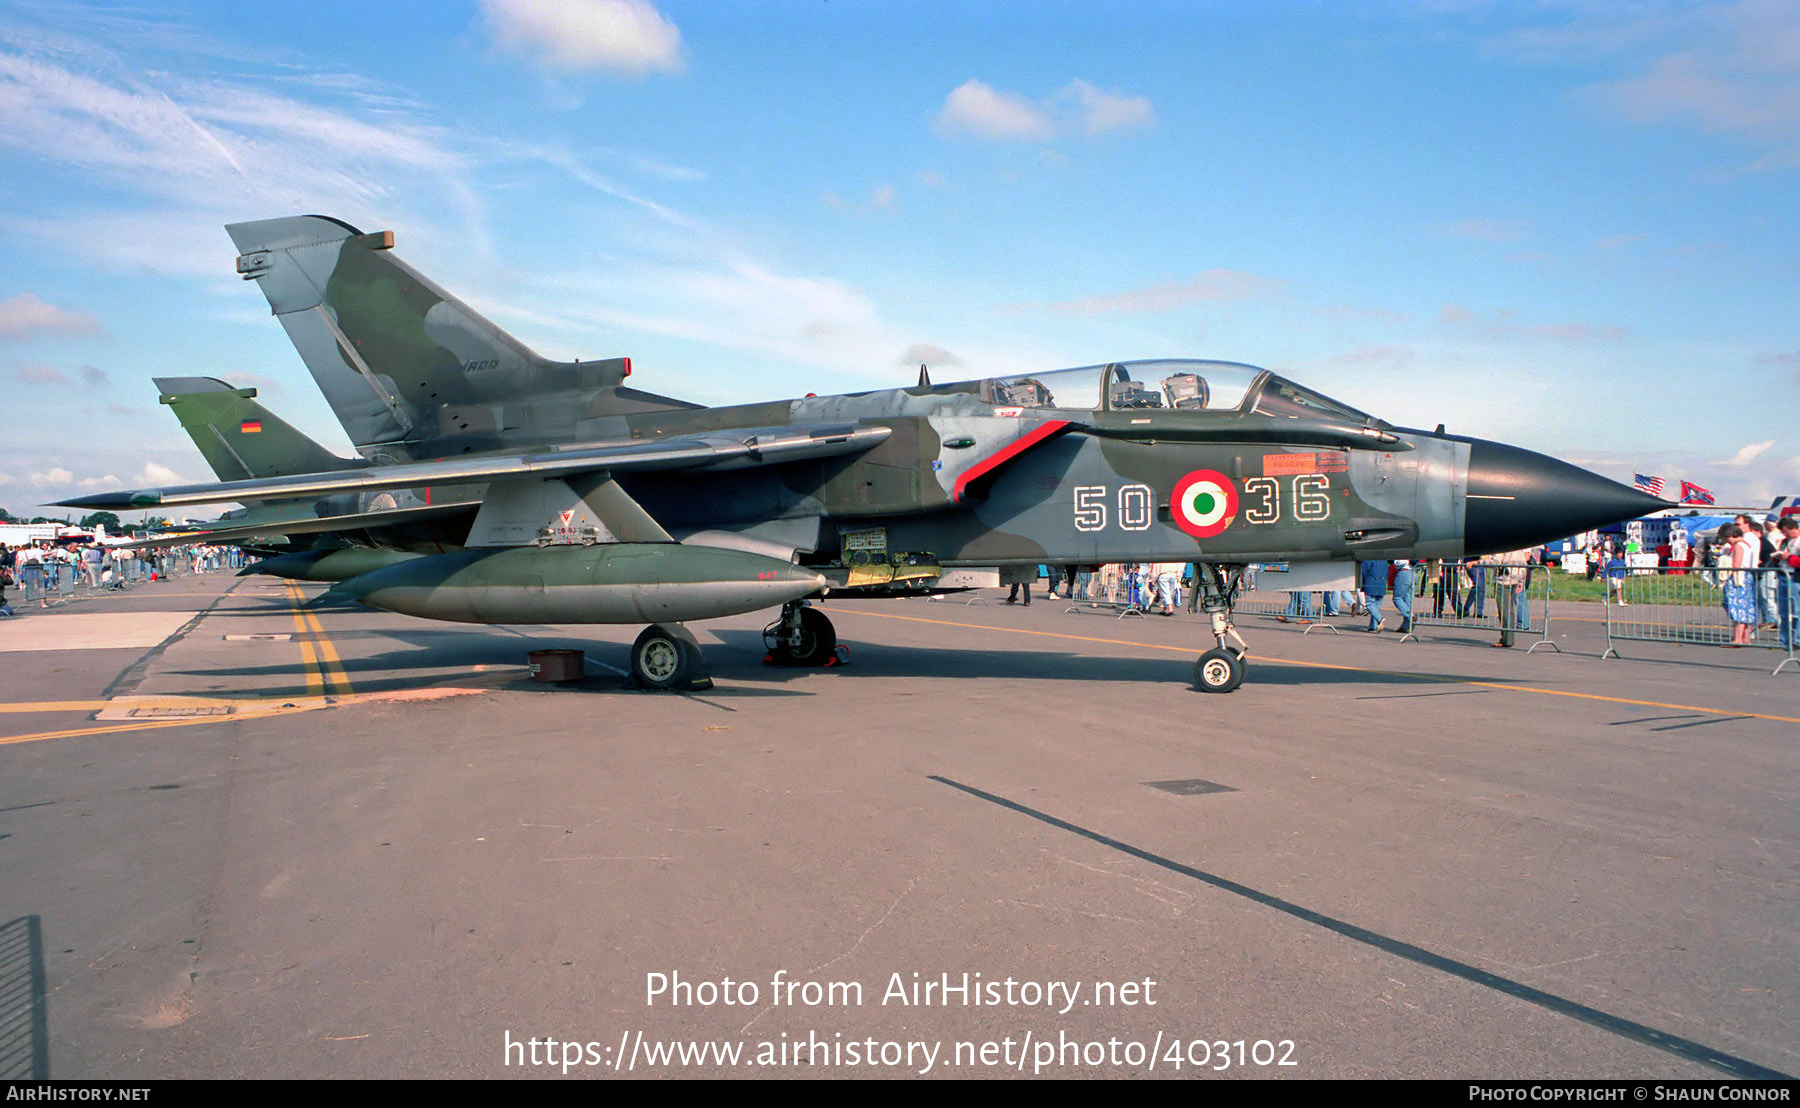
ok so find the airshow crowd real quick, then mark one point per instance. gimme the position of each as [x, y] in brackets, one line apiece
[49, 573]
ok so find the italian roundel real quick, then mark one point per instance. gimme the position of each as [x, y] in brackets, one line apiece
[1204, 503]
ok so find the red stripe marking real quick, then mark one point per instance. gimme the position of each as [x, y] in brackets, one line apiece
[989, 464]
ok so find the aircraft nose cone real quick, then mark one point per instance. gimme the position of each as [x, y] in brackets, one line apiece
[1518, 498]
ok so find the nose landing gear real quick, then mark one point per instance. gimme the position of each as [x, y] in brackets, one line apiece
[803, 636]
[1221, 669]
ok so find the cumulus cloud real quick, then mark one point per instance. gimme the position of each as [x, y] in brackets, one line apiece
[626, 37]
[25, 316]
[155, 474]
[978, 110]
[1213, 285]
[925, 353]
[1747, 453]
[55, 476]
[1104, 112]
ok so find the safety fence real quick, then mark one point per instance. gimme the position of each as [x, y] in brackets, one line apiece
[1729, 609]
[1683, 605]
[1509, 600]
[1117, 591]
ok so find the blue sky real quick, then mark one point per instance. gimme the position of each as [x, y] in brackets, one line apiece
[1566, 225]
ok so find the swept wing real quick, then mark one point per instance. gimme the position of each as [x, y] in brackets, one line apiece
[739, 448]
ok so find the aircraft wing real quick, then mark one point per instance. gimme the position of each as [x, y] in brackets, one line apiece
[736, 448]
[306, 525]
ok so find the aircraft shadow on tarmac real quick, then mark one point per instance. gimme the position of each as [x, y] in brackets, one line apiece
[736, 658]
[427, 657]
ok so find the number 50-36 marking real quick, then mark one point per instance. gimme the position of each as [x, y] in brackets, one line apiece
[1136, 505]
[1310, 498]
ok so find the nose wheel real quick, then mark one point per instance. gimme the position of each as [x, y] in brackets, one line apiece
[1219, 670]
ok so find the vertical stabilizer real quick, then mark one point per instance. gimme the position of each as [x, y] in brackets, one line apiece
[410, 370]
[239, 437]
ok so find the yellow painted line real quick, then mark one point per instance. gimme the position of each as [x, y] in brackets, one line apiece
[330, 663]
[325, 670]
[315, 678]
[76, 732]
[1332, 665]
[63, 706]
[130, 702]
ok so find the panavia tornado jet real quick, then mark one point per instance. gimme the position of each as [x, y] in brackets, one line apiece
[535, 491]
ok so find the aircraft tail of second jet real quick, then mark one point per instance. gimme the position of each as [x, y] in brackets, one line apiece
[240, 438]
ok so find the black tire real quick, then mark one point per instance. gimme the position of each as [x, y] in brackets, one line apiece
[818, 640]
[1218, 671]
[664, 658]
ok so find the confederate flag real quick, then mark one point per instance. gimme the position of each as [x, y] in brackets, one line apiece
[1694, 494]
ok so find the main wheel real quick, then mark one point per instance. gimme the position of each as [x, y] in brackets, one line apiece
[816, 643]
[664, 658]
[1218, 671]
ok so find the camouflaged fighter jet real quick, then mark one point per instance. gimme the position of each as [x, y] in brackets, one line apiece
[596, 502]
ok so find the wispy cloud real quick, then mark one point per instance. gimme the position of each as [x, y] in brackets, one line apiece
[1213, 285]
[41, 375]
[1486, 230]
[1504, 324]
[881, 198]
[1377, 354]
[26, 317]
[1725, 68]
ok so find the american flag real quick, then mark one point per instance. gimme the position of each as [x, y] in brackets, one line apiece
[1694, 494]
[1651, 485]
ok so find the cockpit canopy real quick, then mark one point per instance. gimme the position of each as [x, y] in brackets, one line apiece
[1177, 385]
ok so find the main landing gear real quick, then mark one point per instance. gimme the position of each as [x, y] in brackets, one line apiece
[1220, 669]
[803, 636]
[665, 657]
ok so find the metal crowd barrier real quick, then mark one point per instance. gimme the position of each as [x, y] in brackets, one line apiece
[1294, 605]
[1687, 606]
[1127, 596]
[1483, 603]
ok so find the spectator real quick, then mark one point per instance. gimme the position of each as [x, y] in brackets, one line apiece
[1374, 586]
[1402, 575]
[1736, 555]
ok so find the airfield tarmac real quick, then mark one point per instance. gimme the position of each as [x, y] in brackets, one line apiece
[240, 840]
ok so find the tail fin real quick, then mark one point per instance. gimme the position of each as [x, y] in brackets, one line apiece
[410, 370]
[239, 437]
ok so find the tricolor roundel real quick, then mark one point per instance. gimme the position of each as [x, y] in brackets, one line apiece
[1204, 503]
